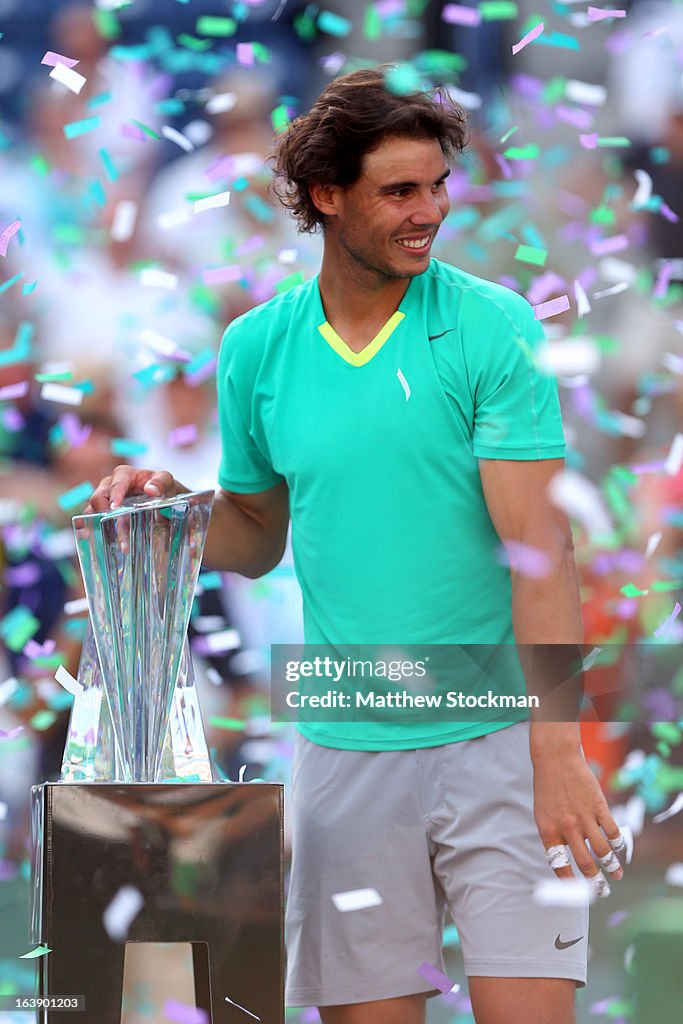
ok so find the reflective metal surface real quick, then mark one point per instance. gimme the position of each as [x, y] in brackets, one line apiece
[206, 860]
[137, 718]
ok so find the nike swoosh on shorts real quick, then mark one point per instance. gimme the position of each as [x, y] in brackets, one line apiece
[559, 944]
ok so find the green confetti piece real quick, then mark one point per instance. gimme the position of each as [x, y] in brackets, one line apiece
[279, 118]
[631, 590]
[17, 627]
[289, 282]
[42, 720]
[97, 101]
[304, 26]
[54, 378]
[334, 24]
[372, 24]
[529, 152]
[210, 25]
[667, 731]
[78, 128]
[403, 80]
[614, 140]
[438, 62]
[664, 586]
[12, 280]
[112, 173]
[530, 254]
[76, 496]
[498, 10]
[126, 448]
[192, 43]
[146, 129]
[555, 88]
[34, 953]
[232, 724]
[106, 23]
[39, 164]
[211, 580]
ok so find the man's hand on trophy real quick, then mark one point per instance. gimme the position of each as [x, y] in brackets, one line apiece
[125, 481]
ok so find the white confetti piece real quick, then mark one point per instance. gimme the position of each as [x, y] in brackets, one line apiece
[591, 658]
[644, 190]
[674, 809]
[674, 459]
[51, 392]
[629, 426]
[666, 625]
[585, 92]
[221, 102]
[404, 383]
[564, 892]
[286, 256]
[356, 899]
[68, 77]
[225, 640]
[173, 135]
[172, 219]
[77, 606]
[673, 362]
[65, 679]
[674, 874]
[121, 912]
[198, 131]
[212, 202]
[652, 542]
[240, 776]
[7, 688]
[614, 290]
[123, 222]
[152, 277]
[159, 342]
[569, 357]
[3, 810]
[581, 500]
[242, 1008]
[583, 305]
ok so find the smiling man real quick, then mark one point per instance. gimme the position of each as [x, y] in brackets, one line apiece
[390, 406]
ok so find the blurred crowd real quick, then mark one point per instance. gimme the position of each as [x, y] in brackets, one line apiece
[129, 260]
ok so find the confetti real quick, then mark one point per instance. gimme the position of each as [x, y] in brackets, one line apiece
[528, 38]
[675, 808]
[242, 1008]
[76, 607]
[181, 1013]
[674, 460]
[173, 135]
[53, 59]
[582, 501]
[3, 810]
[356, 899]
[498, 10]
[221, 275]
[185, 435]
[525, 559]
[65, 679]
[34, 953]
[221, 102]
[76, 496]
[18, 627]
[7, 235]
[59, 393]
[551, 308]
[674, 874]
[530, 254]
[211, 202]
[78, 128]
[152, 277]
[334, 24]
[121, 912]
[7, 688]
[457, 14]
[68, 77]
[209, 25]
[123, 223]
[664, 627]
[585, 92]
[600, 14]
[437, 978]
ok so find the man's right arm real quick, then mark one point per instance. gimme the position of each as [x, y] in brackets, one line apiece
[247, 533]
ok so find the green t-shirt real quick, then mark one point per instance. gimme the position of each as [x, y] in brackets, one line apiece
[391, 536]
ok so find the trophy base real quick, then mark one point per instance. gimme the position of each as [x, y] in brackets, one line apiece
[124, 871]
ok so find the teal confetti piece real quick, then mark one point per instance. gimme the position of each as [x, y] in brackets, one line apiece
[259, 208]
[211, 580]
[21, 349]
[530, 254]
[34, 953]
[17, 627]
[200, 360]
[403, 80]
[334, 24]
[77, 128]
[28, 288]
[614, 140]
[12, 280]
[112, 173]
[97, 101]
[279, 118]
[529, 152]
[126, 449]
[76, 496]
[42, 720]
[560, 40]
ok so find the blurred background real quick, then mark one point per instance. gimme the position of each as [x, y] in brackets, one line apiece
[115, 288]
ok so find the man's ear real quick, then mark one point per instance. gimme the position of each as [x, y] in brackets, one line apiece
[325, 198]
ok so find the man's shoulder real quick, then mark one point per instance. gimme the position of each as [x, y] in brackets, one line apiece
[272, 316]
[476, 293]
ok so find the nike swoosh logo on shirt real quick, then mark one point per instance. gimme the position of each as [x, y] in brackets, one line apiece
[433, 337]
[559, 944]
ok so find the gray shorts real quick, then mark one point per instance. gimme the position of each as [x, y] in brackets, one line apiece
[436, 829]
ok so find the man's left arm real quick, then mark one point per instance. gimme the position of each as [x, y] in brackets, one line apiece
[569, 805]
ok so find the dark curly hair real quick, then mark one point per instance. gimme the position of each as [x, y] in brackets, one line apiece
[352, 117]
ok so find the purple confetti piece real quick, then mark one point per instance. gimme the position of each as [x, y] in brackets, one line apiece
[614, 920]
[7, 235]
[527, 560]
[663, 279]
[574, 115]
[457, 14]
[543, 286]
[10, 734]
[661, 705]
[504, 165]
[52, 59]
[12, 391]
[436, 978]
[202, 373]
[13, 420]
[184, 435]
[181, 1013]
[602, 13]
[36, 650]
[75, 432]
[668, 213]
[668, 622]
[221, 275]
[606, 246]
[25, 575]
[8, 870]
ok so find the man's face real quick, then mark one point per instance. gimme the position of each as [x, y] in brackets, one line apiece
[386, 222]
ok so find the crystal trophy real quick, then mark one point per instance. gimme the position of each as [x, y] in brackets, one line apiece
[155, 888]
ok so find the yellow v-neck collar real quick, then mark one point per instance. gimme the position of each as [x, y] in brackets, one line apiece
[365, 355]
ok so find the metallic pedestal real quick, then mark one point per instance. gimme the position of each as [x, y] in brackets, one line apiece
[206, 858]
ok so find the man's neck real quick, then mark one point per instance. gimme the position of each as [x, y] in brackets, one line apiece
[358, 300]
